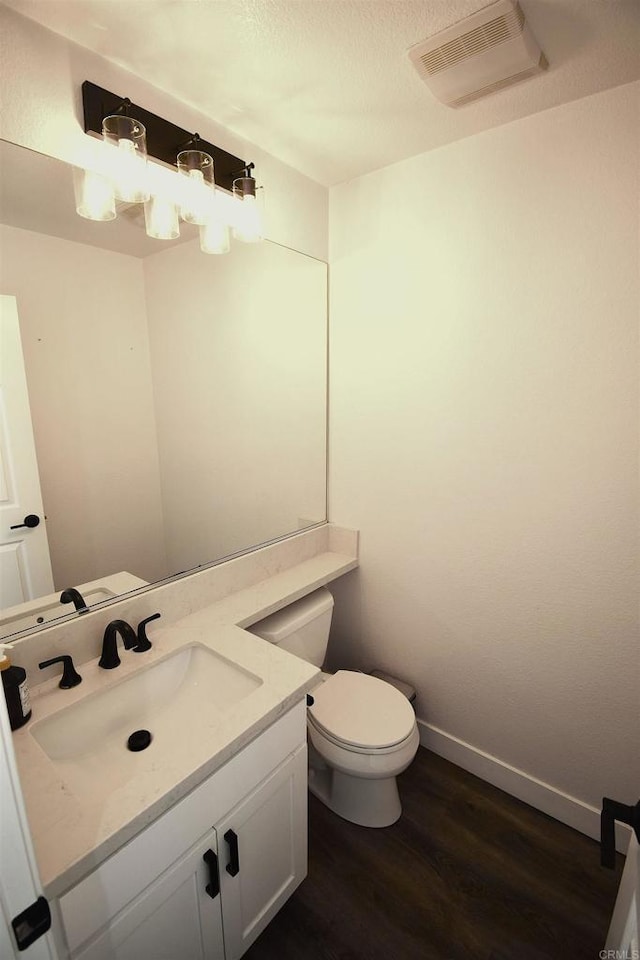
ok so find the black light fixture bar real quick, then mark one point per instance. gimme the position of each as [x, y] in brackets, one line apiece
[164, 139]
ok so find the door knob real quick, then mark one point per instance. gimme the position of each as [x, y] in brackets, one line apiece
[31, 520]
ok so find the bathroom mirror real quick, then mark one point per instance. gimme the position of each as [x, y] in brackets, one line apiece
[177, 399]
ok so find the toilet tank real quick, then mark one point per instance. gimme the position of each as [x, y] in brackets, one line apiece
[302, 628]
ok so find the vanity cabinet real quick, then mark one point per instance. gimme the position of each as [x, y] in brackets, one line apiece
[264, 853]
[172, 918]
[205, 878]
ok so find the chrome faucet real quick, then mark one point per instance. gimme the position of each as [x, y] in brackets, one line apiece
[71, 595]
[110, 659]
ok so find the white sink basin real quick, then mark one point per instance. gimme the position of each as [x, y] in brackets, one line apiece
[174, 698]
[35, 613]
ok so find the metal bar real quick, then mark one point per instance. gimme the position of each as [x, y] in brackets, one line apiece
[164, 139]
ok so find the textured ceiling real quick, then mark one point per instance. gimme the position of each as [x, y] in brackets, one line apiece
[326, 85]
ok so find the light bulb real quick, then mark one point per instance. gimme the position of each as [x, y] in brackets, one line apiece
[197, 198]
[127, 157]
[129, 169]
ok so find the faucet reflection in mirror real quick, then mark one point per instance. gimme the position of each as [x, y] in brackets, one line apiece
[120, 175]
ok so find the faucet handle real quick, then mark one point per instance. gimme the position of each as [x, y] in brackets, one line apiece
[70, 676]
[143, 640]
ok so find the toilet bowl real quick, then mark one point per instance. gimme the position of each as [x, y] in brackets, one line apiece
[362, 732]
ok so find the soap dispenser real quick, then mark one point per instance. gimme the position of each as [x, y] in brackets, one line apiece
[16, 691]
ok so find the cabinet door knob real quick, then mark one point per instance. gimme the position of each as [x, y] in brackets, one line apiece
[213, 887]
[233, 867]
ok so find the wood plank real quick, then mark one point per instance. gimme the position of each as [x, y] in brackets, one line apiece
[467, 872]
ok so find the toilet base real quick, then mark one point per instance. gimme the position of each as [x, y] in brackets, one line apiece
[367, 802]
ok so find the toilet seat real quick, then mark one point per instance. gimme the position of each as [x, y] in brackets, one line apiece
[361, 713]
[350, 748]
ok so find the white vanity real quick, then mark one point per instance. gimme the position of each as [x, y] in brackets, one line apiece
[187, 849]
[225, 858]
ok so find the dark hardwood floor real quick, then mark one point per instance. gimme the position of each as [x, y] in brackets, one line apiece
[467, 872]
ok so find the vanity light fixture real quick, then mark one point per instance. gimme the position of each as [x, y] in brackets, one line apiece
[133, 134]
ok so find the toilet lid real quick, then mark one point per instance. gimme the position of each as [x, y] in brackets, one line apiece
[361, 711]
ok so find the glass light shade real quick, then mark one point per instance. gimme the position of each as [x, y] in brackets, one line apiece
[161, 218]
[197, 185]
[248, 225]
[95, 199]
[214, 237]
[128, 160]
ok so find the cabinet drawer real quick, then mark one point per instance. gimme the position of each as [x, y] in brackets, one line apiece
[93, 902]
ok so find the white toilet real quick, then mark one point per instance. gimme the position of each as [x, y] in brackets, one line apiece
[362, 731]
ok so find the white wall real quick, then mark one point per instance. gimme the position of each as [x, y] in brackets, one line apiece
[41, 75]
[83, 324]
[484, 438]
[238, 351]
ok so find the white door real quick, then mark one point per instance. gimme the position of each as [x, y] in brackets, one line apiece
[262, 848]
[25, 565]
[20, 887]
[624, 938]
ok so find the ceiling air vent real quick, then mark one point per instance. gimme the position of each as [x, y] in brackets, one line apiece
[485, 52]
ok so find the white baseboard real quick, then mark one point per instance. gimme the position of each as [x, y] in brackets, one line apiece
[581, 816]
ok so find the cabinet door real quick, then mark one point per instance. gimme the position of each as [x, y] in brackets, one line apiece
[175, 917]
[263, 853]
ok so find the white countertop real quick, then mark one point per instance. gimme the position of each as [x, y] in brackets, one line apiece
[75, 827]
